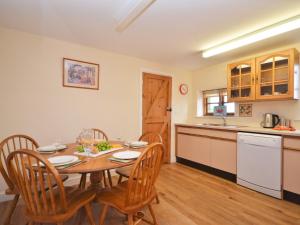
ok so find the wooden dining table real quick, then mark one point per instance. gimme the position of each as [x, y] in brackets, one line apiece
[93, 165]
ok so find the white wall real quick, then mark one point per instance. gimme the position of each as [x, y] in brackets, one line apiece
[216, 77]
[34, 102]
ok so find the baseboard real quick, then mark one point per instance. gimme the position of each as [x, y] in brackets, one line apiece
[208, 169]
[291, 197]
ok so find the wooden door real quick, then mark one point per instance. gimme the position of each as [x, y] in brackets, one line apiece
[157, 93]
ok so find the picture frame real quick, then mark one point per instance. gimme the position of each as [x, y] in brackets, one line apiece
[80, 74]
[245, 110]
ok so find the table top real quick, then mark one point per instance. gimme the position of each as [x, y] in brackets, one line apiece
[92, 164]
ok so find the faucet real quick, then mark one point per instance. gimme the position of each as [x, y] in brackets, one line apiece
[224, 120]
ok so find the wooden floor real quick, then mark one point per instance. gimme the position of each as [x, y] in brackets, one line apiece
[191, 197]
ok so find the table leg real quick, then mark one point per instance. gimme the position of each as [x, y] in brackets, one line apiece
[95, 179]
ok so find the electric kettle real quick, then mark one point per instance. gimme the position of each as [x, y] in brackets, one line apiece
[270, 120]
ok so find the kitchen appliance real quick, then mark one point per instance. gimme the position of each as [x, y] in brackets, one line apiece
[259, 166]
[270, 120]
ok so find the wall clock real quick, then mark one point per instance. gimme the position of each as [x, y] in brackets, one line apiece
[183, 89]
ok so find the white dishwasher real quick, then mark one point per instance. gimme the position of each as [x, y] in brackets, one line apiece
[259, 163]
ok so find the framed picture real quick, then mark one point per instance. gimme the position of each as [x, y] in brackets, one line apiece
[245, 110]
[80, 74]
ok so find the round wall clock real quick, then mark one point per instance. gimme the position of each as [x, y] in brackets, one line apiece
[183, 89]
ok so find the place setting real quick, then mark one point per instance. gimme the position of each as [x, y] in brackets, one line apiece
[53, 148]
[125, 156]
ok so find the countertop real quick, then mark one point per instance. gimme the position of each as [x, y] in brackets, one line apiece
[241, 128]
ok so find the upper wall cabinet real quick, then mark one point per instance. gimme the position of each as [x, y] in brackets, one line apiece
[277, 76]
[240, 81]
[273, 77]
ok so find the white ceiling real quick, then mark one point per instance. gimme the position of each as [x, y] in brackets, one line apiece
[171, 32]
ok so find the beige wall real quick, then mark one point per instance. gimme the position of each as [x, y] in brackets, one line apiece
[215, 77]
[34, 102]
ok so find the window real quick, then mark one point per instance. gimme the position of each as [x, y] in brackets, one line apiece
[217, 97]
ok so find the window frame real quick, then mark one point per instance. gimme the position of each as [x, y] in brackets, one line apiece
[221, 101]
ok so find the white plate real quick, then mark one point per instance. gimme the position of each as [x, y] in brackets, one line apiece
[138, 143]
[126, 155]
[63, 159]
[51, 148]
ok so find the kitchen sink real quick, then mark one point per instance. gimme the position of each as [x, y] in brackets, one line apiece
[220, 125]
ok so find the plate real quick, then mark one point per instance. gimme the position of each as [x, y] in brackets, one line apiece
[63, 159]
[51, 148]
[138, 143]
[126, 155]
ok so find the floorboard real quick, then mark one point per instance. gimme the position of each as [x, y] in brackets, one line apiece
[192, 197]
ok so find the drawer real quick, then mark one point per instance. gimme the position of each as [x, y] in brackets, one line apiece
[291, 143]
[231, 135]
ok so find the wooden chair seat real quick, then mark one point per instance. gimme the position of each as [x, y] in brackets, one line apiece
[15, 192]
[116, 196]
[7, 146]
[31, 174]
[124, 171]
[138, 192]
[76, 198]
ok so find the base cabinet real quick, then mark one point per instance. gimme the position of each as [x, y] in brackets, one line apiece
[216, 152]
[223, 155]
[291, 171]
[194, 148]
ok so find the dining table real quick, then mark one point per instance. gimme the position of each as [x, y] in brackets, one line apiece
[93, 165]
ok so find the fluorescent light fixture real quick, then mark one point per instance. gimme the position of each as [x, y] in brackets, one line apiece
[130, 12]
[264, 33]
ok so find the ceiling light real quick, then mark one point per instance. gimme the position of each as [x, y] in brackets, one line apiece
[264, 33]
[130, 12]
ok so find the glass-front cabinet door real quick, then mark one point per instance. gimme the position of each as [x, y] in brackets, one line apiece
[240, 81]
[275, 75]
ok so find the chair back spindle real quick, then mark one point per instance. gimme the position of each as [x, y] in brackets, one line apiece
[99, 134]
[143, 175]
[9, 145]
[151, 138]
[35, 179]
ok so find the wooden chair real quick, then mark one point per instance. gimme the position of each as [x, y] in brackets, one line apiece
[138, 192]
[8, 145]
[30, 174]
[125, 171]
[99, 134]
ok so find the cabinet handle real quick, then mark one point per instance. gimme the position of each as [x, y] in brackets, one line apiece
[253, 80]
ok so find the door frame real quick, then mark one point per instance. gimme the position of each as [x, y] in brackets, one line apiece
[162, 74]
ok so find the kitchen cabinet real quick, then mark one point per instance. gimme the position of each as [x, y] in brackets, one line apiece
[213, 148]
[291, 165]
[241, 81]
[194, 148]
[277, 76]
[223, 155]
[270, 77]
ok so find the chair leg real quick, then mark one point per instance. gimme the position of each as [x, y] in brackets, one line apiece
[103, 215]
[82, 181]
[157, 199]
[104, 179]
[89, 214]
[10, 210]
[152, 214]
[130, 219]
[120, 179]
[109, 178]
